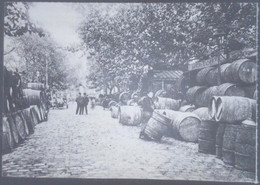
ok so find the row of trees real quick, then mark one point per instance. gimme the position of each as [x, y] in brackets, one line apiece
[122, 43]
[29, 49]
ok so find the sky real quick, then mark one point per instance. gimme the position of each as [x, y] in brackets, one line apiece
[59, 19]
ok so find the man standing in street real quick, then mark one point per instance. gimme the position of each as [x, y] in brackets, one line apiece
[148, 106]
[78, 99]
[85, 103]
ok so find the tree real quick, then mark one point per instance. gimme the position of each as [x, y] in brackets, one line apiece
[16, 20]
[162, 33]
[32, 53]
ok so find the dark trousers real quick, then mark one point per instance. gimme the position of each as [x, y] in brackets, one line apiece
[77, 110]
[86, 108]
[81, 109]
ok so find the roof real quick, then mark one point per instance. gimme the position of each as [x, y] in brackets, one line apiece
[167, 74]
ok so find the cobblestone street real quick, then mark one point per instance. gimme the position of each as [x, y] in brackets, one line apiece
[70, 145]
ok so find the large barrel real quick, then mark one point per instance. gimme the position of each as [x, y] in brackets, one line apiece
[241, 71]
[157, 126]
[26, 128]
[208, 94]
[114, 111]
[212, 77]
[255, 94]
[245, 146]
[219, 139]
[112, 103]
[193, 95]
[185, 124]
[124, 96]
[20, 125]
[13, 128]
[160, 93]
[35, 86]
[130, 115]
[229, 139]
[207, 133]
[201, 76]
[38, 113]
[29, 121]
[187, 108]
[229, 89]
[249, 90]
[232, 109]
[225, 89]
[32, 97]
[167, 103]
[7, 139]
[34, 116]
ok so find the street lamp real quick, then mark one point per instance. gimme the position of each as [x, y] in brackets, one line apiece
[220, 35]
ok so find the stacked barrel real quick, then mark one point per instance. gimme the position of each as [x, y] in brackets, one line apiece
[227, 112]
[17, 125]
[126, 110]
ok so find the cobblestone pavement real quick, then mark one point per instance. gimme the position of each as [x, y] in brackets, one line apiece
[97, 146]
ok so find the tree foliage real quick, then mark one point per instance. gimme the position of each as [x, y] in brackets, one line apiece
[17, 21]
[162, 33]
[32, 54]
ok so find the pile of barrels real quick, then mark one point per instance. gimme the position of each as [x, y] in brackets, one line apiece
[227, 112]
[19, 124]
[231, 138]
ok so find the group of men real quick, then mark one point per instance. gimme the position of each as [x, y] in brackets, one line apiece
[82, 103]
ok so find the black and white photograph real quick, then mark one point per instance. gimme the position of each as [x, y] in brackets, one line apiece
[116, 90]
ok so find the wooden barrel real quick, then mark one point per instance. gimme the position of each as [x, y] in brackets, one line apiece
[34, 116]
[38, 113]
[193, 95]
[7, 139]
[212, 77]
[157, 126]
[185, 124]
[134, 94]
[241, 71]
[234, 109]
[124, 96]
[249, 90]
[112, 103]
[255, 94]
[26, 128]
[208, 94]
[29, 121]
[167, 103]
[19, 125]
[203, 114]
[207, 137]
[229, 139]
[13, 128]
[245, 146]
[208, 130]
[114, 111]
[201, 76]
[130, 115]
[35, 86]
[32, 97]
[229, 89]
[160, 93]
[219, 139]
[187, 108]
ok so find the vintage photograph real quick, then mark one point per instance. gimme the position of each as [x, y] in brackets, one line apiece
[130, 91]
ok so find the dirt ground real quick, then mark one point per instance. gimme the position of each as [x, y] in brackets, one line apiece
[97, 146]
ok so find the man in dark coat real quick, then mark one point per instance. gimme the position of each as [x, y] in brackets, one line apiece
[78, 99]
[85, 103]
[148, 107]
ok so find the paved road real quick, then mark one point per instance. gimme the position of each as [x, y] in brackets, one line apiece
[97, 146]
